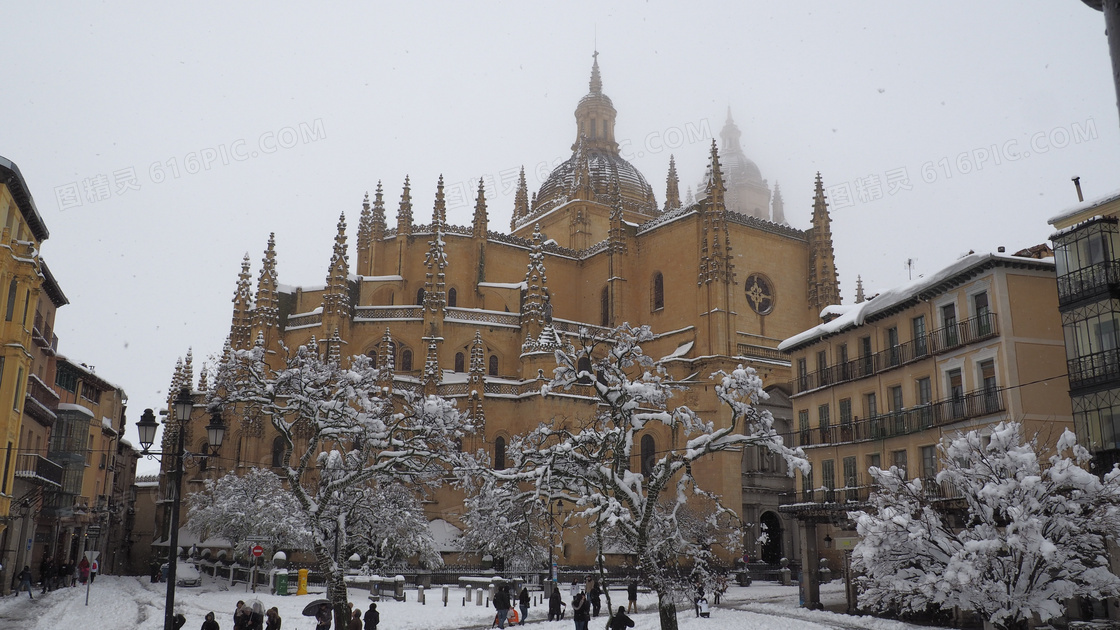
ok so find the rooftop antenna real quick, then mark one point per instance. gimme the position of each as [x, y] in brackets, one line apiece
[910, 268]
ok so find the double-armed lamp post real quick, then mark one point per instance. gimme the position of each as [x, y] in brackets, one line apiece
[215, 433]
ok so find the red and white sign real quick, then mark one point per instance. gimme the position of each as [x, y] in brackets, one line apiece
[258, 551]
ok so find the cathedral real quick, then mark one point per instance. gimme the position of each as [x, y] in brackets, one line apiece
[451, 310]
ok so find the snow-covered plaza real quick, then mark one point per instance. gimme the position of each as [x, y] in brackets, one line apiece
[127, 603]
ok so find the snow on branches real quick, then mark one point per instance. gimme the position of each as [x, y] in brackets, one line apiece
[1032, 535]
[253, 505]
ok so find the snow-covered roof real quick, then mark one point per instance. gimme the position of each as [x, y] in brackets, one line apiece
[504, 285]
[1089, 204]
[73, 407]
[917, 289]
[381, 278]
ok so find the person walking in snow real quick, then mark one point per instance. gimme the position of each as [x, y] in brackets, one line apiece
[210, 623]
[372, 617]
[83, 570]
[523, 599]
[25, 581]
[596, 603]
[581, 611]
[632, 596]
[273, 619]
[502, 604]
[620, 621]
[555, 604]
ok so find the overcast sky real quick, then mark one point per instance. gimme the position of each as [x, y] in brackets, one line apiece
[162, 143]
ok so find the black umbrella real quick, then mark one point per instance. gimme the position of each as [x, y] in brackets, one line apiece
[312, 609]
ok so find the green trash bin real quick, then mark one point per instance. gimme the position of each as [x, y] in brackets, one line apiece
[282, 583]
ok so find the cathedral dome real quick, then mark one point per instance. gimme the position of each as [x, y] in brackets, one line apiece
[595, 145]
[636, 193]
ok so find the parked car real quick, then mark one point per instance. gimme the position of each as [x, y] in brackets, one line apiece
[185, 574]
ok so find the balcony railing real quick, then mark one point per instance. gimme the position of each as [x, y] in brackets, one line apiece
[1094, 369]
[936, 341]
[860, 493]
[1093, 280]
[906, 421]
[38, 469]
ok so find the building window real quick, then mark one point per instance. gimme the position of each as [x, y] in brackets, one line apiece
[871, 414]
[988, 385]
[583, 367]
[956, 392]
[822, 368]
[26, 302]
[828, 479]
[824, 423]
[925, 396]
[648, 454]
[846, 420]
[459, 362]
[842, 361]
[949, 335]
[898, 460]
[605, 307]
[658, 291]
[807, 486]
[873, 461]
[19, 387]
[278, 452]
[420, 297]
[11, 301]
[892, 344]
[866, 363]
[7, 468]
[91, 393]
[896, 409]
[802, 375]
[918, 327]
[929, 463]
[406, 360]
[499, 453]
[983, 314]
[493, 371]
[851, 479]
[803, 427]
[452, 296]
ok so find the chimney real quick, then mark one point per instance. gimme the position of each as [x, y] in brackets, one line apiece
[1001, 249]
[1077, 185]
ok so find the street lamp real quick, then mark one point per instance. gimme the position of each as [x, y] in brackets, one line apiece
[551, 532]
[215, 432]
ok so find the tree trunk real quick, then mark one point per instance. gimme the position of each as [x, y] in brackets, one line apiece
[667, 611]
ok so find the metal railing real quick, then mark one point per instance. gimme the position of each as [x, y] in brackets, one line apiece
[937, 341]
[1093, 369]
[39, 469]
[1092, 280]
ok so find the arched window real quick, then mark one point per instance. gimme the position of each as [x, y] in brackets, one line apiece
[499, 453]
[605, 307]
[459, 361]
[459, 445]
[452, 296]
[406, 361]
[658, 291]
[493, 371]
[278, 452]
[372, 354]
[648, 454]
[420, 297]
[584, 365]
[203, 461]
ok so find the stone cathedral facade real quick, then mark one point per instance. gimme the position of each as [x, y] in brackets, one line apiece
[471, 308]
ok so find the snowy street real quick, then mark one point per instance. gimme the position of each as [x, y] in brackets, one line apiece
[127, 603]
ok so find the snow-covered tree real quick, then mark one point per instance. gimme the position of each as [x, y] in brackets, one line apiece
[589, 465]
[341, 431]
[1033, 535]
[253, 505]
[506, 522]
[386, 525]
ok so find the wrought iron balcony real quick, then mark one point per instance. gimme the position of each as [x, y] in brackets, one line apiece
[1094, 369]
[39, 470]
[1101, 278]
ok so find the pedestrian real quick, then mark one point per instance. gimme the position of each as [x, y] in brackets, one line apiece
[256, 616]
[702, 608]
[620, 621]
[596, 595]
[273, 618]
[524, 601]
[355, 621]
[632, 596]
[241, 616]
[153, 568]
[581, 611]
[46, 572]
[25, 581]
[372, 617]
[502, 604]
[83, 570]
[575, 588]
[323, 618]
[210, 623]
[555, 604]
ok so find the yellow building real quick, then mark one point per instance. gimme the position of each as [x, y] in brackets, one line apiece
[717, 287]
[884, 382]
[20, 284]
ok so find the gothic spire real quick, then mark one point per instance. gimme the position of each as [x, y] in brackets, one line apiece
[533, 309]
[596, 83]
[435, 297]
[188, 369]
[378, 227]
[386, 358]
[481, 221]
[432, 375]
[336, 296]
[404, 213]
[859, 290]
[266, 315]
[672, 192]
[824, 286]
[242, 326]
[777, 206]
[439, 210]
[365, 237]
[715, 245]
[475, 381]
[520, 201]
[581, 182]
[203, 385]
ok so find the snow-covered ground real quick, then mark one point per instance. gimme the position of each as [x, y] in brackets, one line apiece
[128, 603]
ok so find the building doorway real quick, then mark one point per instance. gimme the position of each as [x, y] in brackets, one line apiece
[771, 551]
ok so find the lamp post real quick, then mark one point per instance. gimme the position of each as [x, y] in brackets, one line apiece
[215, 432]
[551, 533]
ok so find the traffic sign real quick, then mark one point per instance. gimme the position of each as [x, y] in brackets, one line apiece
[258, 551]
[93, 566]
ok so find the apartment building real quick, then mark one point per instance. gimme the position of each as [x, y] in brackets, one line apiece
[884, 382]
